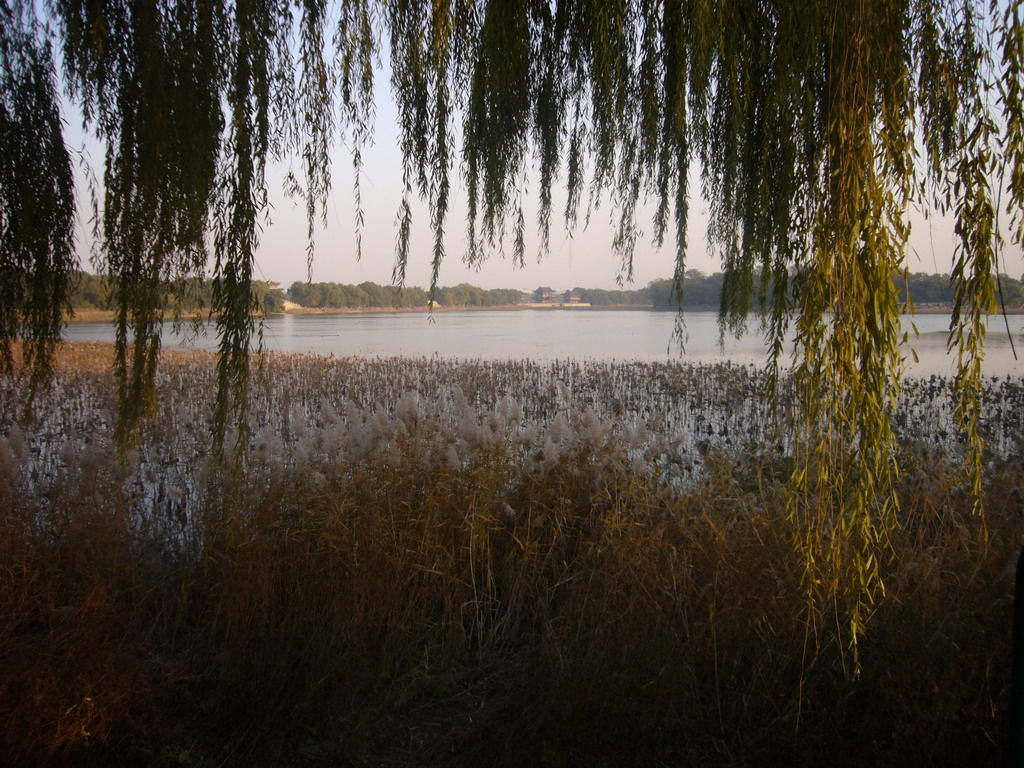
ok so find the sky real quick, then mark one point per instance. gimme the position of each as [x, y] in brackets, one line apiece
[581, 259]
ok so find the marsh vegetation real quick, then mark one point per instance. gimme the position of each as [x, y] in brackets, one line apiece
[434, 562]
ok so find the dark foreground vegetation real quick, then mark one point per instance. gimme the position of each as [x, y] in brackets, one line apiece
[424, 566]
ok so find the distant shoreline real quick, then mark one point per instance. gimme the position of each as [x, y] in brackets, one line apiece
[493, 308]
[107, 316]
[104, 315]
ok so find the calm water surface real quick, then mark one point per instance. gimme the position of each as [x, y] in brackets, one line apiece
[557, 334]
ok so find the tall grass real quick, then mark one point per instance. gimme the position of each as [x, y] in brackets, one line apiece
[431, 563]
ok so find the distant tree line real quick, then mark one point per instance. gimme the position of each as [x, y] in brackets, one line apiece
[364, 295]
[700, 291]
[367, 294]
[935, 290]
[91, 291]
[598, 297]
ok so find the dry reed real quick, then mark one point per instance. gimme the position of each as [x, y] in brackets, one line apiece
[431, 563]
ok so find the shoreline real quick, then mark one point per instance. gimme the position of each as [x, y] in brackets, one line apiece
[83, 316]
[105, 315]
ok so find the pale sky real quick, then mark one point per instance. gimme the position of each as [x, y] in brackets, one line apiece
[583, 260]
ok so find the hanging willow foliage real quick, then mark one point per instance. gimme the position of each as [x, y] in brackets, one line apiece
[816, 126]
[37, 196]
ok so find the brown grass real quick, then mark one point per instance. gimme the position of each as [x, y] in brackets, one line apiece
[395, 609]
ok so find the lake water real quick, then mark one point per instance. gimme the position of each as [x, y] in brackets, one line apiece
[557, 334]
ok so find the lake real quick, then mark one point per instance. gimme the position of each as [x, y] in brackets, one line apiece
[544, 334]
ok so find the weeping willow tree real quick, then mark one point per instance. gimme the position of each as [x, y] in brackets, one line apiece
[815, 126]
